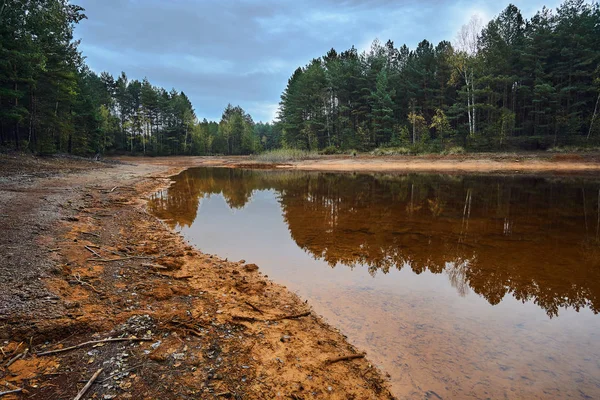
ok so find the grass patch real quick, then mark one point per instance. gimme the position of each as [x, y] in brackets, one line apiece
[574, 149]
[286, 155]
[393, 151]
[453, 151]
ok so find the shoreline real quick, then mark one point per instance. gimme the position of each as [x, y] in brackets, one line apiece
[475, 163]
[216, 328]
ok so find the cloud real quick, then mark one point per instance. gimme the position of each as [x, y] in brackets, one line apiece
[243, 51]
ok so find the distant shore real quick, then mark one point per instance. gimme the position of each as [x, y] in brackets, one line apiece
[485, 163]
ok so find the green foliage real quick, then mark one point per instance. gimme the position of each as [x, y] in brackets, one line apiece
[394, 151]
[51, 101]
[454, 150]
[575, 149]
[512, 83]
[286, 155]
[329, 150]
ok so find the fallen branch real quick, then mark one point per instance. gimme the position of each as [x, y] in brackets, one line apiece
[90, 233]
[119, 187]
[15, 358]
[45, 353]
[295, 316]
[88, 248]
[19, 390]
[252, 319]
[87, 385]
[84, 283]
[121, 258]
[254, 307]
[345, 358]
[154, 266]
[171, 276]
[120, 373]
[188, 327]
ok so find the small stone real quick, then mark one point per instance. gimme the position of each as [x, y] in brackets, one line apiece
[251, 267]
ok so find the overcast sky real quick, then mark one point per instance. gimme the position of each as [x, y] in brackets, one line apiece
[243, 52]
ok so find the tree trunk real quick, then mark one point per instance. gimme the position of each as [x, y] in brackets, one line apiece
[473, 102]
[16, 133]
[593, 117]
[467, 83]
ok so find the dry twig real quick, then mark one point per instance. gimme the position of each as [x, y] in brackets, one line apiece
[90, 233]
[19, 390]
[84, 283]
[254, 307]
[252, 319]
[45, 353]
[88, 248]
[15, 358]
[121, 258]
[345, 358]
[121, 373]
[87, 385]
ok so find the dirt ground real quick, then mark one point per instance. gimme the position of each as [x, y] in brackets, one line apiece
[82, 260]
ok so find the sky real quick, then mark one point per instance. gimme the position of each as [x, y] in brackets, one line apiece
[243, 52]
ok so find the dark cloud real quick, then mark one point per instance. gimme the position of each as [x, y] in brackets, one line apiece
[242, 52]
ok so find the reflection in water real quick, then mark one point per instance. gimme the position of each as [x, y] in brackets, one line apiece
[536, 239]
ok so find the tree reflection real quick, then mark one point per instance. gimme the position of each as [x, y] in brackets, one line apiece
[528, 237]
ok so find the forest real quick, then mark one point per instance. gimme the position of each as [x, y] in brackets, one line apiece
[511, 84]
[51, 101]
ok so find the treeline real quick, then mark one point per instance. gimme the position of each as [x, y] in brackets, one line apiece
[514, 82]
[50, 101]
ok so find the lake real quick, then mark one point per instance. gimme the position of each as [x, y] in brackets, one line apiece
[457, 286]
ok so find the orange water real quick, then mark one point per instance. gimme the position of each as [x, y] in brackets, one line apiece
[457, 286]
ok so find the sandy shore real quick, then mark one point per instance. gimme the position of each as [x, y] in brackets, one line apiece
[484, 163]
[82, 260]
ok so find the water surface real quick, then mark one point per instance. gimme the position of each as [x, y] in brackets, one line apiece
[457, 286]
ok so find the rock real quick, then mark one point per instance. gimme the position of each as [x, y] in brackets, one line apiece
[285, 338]
[251, 267]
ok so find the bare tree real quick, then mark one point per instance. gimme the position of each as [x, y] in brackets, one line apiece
[466, 44]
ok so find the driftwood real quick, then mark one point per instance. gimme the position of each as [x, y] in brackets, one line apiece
[345, 358]
[252, 319]
[19, 390]
[87, 385]
[45, 353]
